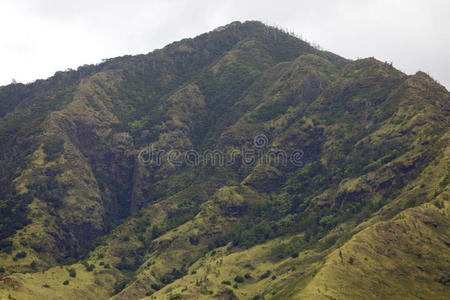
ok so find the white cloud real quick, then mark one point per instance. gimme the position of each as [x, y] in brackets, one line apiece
[40, 37]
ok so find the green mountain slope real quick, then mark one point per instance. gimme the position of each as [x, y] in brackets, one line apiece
[240, 164]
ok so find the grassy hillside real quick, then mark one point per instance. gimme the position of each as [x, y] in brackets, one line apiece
[281, 171]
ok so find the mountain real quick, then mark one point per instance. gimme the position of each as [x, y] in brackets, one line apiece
[240, 164]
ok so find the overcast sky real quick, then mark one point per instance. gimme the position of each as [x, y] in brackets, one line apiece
[40, 37]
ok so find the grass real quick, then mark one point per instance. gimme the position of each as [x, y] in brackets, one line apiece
[55, 282]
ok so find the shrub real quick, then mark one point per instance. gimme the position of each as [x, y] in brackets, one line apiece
[247, 276]
[231, 294]
[130, 264]
[21, 254]
[53, 149]
[351, 260]
[72, 272]
[155, 286]
[119, 286]
[156, 232]
[6, 246]
[49, 190]
[89, 267]
[226, 282]
[66, 282]
[172, 276]
[239, 279]
[265, 275]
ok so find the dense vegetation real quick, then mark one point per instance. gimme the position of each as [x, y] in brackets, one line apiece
[372, 170]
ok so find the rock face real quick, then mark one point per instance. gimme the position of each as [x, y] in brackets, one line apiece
[264, 179]
[241, 156]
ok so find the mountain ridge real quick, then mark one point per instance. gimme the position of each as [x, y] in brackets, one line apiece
[374, 152]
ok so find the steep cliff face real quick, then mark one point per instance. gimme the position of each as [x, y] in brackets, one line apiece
[242, 163]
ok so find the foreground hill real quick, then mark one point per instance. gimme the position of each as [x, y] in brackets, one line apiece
[241, 164]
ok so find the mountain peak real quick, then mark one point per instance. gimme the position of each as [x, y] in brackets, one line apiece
[228, 26]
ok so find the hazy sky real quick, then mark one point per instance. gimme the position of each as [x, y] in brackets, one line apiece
[39, 37]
